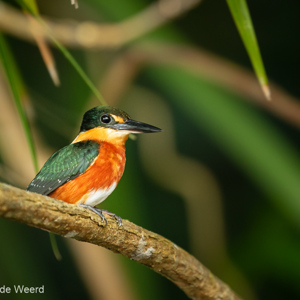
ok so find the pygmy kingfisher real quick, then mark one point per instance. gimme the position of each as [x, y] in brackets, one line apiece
[88, 170]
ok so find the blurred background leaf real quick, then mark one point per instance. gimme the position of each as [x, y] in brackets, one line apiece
[17, 88]
[220, 180]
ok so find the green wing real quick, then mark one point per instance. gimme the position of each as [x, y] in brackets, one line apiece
[63, 166]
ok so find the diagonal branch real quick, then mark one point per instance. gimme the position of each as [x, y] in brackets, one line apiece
[130, 240]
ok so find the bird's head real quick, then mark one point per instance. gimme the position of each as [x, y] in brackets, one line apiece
[111, 124]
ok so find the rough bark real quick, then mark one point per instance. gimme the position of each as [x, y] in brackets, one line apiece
[130, 240]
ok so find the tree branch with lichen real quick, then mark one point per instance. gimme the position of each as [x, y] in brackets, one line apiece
[132, 241]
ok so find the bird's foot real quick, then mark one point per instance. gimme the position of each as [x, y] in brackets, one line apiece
[118, 219]
[100, 211]
[96, 211]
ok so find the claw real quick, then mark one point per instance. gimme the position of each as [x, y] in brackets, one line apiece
[118, 219]
[99, 212]
[96, 211]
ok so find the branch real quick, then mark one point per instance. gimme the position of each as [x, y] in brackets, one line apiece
[95, 35]
[130, 240]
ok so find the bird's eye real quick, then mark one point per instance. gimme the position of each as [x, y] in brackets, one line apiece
[106, 119]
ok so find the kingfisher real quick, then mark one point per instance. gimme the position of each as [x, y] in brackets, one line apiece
[88, 170]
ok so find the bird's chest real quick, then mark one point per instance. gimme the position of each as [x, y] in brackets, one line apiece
[102, 177]
[98, 181]
[109, 165]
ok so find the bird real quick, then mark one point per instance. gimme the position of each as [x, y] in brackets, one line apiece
[87, 171]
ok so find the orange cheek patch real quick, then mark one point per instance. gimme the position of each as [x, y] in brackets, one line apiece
[101, 134]
[118, 119]
[107, 169]
[95, 134]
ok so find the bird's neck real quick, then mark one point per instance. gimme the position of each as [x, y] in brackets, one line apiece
[100, 134]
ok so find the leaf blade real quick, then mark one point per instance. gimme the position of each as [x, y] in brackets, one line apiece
[16, 88]
[64, 51]
[242, 19]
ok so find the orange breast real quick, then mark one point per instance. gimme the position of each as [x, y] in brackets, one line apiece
[107, 169]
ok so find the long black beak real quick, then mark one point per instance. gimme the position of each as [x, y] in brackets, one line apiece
[136, 127]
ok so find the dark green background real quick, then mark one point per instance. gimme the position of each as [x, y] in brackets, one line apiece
[262, 236]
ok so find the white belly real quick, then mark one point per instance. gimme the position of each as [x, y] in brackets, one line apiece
[97, 196]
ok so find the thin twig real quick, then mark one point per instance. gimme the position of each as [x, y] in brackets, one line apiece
[37, 32]
[132, 241]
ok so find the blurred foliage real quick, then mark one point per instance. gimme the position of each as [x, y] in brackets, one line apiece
[16, 86]
[248, 157]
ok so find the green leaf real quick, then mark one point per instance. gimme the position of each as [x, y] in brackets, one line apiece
[30, 5]
[74, 63]
[16, 86]
[64, 51]
[242, 19]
